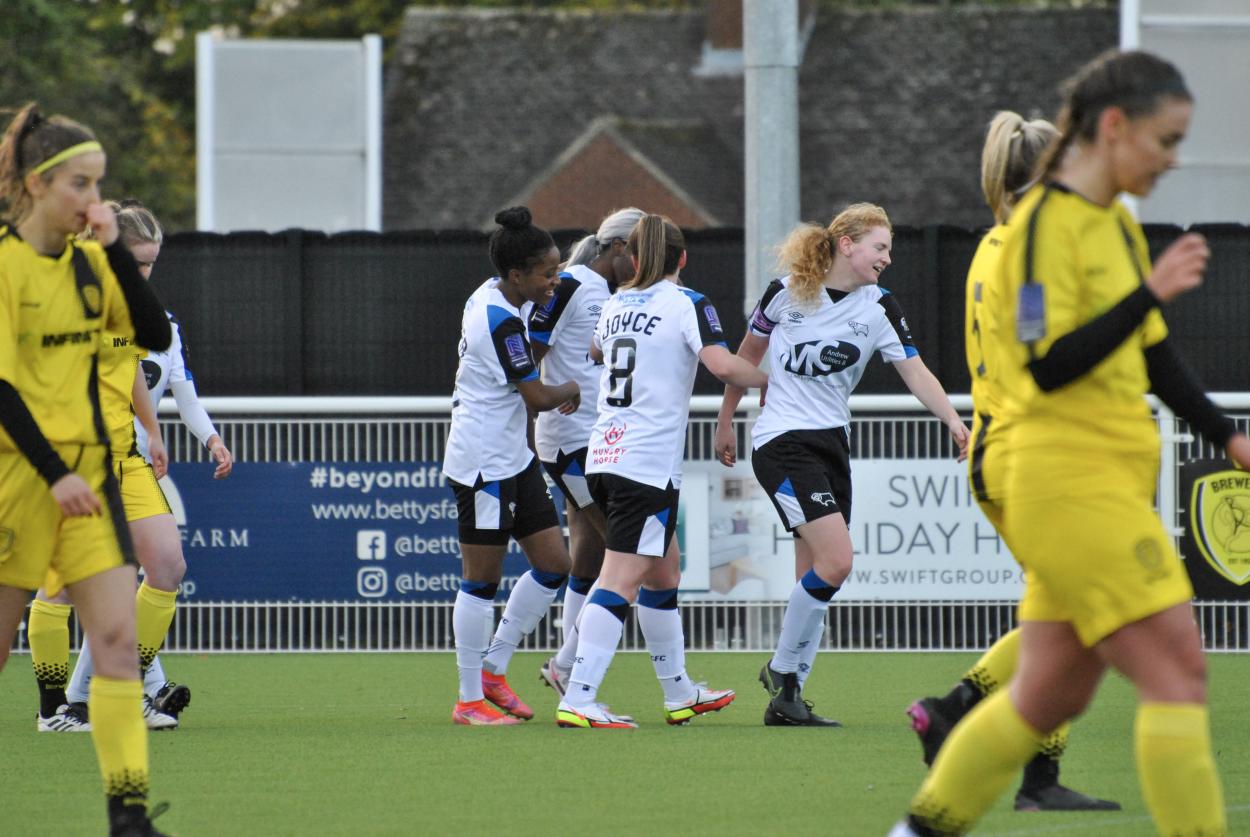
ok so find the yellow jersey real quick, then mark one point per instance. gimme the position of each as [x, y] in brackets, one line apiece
[53, 310]
[119, 365]
[1077, 259]
[982, 367]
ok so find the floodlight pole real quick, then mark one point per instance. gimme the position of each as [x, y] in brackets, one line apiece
[770, 39]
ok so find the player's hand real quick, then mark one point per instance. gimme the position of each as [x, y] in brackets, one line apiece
[103, 223]
[960, 435]
[221, 455]
[1238, 449]
[75, 497]
[158, 456]
[726, 445]
[1179, 268]
[569, 407]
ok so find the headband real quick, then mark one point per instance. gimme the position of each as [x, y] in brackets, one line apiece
[72, 151]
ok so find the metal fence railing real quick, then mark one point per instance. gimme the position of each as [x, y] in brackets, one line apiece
[263, 627]
[415, 429]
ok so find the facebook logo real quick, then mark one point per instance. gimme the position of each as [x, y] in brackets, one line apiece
[371, 544]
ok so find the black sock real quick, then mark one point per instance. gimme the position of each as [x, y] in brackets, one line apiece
[51, 698]
[1041, 772]
[959, 701]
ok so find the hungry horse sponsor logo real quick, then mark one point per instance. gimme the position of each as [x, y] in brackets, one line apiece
[614, 434]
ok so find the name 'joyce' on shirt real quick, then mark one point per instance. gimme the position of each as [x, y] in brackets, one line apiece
[636, 322]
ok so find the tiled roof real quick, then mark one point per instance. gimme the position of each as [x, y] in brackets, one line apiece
[893, 104]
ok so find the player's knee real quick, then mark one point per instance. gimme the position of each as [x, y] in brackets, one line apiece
[833, 566]
[662, 576]
[586, 564]
[114, 638]
[552, 561]
[166, 569]
[61, 598]
[1191, 676]
[1074, 702]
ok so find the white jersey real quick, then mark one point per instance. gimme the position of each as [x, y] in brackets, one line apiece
[818, 356]
[168, 370]
[488, 415]
[565, 325]
[650, 341]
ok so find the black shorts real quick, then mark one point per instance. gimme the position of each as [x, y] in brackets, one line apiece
[807, 474]
[568, 472]
[491, 512]
[642, 519]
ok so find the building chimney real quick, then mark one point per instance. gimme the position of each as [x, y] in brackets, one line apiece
[723, 20]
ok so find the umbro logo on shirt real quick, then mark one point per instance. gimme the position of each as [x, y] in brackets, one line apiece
[795, 316]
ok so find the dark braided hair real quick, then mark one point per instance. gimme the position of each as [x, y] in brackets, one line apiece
[1133, 81]
[517, 243]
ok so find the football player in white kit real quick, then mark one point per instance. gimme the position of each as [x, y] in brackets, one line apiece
[560, 333]
[158, 543]
[499, 488]
[161, 372]
[820, 325]
[651, 336]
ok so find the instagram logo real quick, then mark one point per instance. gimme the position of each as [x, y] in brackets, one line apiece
[371, 582]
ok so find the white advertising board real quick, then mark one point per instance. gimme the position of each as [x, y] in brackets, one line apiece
[916, 529]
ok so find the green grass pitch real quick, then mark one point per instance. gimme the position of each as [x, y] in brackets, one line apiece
[363, 744]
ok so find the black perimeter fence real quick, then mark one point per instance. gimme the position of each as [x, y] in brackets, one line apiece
[357, 313]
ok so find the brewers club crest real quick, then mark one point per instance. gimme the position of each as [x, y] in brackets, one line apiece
[1219, 523]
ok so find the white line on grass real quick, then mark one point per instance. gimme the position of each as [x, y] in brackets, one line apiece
[1121, 820]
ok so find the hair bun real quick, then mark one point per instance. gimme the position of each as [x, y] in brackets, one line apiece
[514, 218]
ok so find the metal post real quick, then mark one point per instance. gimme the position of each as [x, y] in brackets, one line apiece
[771, 165]
[205, 149]
[373, 132]
[1130, 24]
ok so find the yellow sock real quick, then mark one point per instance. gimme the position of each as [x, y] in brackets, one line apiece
[997, 664]
[154, 611]
[976, 764]
[1055, 743]
[1178, 777]
[120, 736]
[47, 631]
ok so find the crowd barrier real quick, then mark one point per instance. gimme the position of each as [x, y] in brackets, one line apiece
[361, 431]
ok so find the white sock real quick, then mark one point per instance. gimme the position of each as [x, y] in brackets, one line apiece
[471, 621]
[568, 650]
[803, 614]
[666, 643]
[80, 681]
[600, 635]
[154, 678]
[807, 657]
[528, 603]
